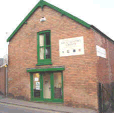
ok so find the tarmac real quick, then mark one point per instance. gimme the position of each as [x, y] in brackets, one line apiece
[44, 106]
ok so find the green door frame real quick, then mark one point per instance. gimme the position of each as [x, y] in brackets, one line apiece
[41, 99]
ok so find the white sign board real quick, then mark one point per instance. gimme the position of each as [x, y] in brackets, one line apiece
[101, 51]
[37, 85]
[71, 46]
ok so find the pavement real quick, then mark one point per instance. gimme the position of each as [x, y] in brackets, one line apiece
[44, 106]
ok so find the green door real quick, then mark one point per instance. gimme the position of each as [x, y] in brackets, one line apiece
[47, 87]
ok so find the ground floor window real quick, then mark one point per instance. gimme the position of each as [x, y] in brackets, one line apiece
[47, 86]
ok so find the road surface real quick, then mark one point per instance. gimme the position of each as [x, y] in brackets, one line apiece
[8, 108]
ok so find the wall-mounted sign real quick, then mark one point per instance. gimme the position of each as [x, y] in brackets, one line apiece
[71, 46]
[101, 51]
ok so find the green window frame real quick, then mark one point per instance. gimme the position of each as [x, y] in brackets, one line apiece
[42, 99]
[44, 48]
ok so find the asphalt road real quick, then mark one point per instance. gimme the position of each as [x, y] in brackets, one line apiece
[7, 108]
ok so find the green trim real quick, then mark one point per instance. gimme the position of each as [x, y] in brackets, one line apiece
[31, 85]
[45, 69]
[41, 86]
[43, 61]
[42, 4]
[62, 85]
[68, 15]
[25, 22]
[52, 86]
[42, 32]
[47, 100]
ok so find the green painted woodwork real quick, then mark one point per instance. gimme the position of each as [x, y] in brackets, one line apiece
[43, 61]
[41, 99]
[25, 22]
[46, 69]
[31, 85]
[62, 85]
[52, 86]
[41, 86]
[42, 32]
[41, 4]
[47, 100]
[44, 3]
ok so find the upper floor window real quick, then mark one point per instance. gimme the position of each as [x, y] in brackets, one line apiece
[44, 48]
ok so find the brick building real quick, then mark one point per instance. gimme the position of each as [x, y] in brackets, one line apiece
[57, 57]
[2, 80]
[3, 76]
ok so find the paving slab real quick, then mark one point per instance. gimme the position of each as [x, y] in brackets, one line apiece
[46, 106]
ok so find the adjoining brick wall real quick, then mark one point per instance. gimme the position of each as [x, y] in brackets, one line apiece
[105, 68]
[2, 80]
[79, 78]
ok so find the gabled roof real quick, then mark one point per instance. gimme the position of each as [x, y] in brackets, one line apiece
[42, 4]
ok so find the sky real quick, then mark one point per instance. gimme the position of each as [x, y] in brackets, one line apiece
[99, 13]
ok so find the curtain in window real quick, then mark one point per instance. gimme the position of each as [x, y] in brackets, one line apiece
[41, 40]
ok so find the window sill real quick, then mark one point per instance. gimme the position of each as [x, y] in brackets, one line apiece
[44, 63]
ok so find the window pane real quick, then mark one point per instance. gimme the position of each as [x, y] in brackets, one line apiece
[46, 86]
[41, 40]
[36, 84]
[57, 85]
[47, 52]
[41, 53]
[47, 38]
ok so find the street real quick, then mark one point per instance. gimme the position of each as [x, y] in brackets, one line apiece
[8, 108]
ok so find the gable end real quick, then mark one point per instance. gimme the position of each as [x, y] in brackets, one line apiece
[42, 4]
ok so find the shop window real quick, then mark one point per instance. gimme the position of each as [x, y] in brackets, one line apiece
[46, 86]
[36, 85]
[44, 48]
[57, 85]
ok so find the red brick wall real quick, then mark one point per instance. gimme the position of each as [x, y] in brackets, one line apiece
[80, 81]
[2, 79]
[111, 60]
[105, 67]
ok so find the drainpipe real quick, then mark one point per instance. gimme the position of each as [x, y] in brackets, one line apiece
[6, 80]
